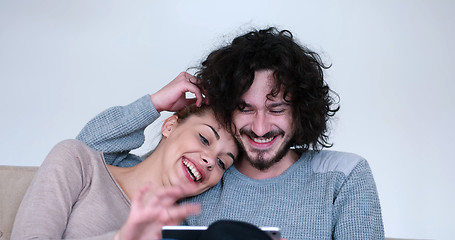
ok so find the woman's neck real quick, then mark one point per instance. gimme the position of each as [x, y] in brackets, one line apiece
[133, 178]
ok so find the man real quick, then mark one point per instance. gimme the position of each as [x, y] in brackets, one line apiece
[272, 91]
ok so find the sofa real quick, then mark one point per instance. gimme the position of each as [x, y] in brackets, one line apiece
[14, 181]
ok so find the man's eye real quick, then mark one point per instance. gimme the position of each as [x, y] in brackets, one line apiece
[245, 110]
[277, 111]
[221, 163]
[204, 140]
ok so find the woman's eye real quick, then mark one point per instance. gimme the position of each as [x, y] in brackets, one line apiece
[204, 140]
[221, 163]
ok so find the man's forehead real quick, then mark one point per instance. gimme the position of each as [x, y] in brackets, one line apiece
[269, 101]
[270, 94]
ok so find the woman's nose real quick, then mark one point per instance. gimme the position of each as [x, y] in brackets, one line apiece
[207, 163]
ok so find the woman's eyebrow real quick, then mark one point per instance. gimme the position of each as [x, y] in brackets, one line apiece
[231, 155]
[214, 131]
[218, 138]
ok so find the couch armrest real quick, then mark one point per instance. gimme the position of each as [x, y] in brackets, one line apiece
[14, 181]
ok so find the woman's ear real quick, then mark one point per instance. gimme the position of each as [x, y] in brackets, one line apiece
[169, 124]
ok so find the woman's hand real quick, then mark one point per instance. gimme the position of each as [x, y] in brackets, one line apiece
[172, 96]
[150, 210]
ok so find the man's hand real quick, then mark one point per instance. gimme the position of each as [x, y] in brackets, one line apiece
[172, 96]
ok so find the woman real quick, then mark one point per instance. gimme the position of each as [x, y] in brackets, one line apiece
[76, 195]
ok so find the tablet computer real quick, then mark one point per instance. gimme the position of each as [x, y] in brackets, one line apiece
[194, 232]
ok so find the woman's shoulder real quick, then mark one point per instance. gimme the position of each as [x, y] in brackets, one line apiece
[72, 155]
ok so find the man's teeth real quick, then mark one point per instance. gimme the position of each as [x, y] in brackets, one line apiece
[262, 140]
[194, 173]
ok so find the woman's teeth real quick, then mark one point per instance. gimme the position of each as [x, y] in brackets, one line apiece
[194, 173]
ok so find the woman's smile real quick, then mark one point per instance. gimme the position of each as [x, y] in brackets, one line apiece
[192, 170]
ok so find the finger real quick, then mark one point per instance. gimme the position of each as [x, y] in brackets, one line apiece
[203, 92]
[169, 195]
[190, 101]
[192, 79]
[199, 100]
[197, 92]
[206, 99]
[138, 198]
[179, 213]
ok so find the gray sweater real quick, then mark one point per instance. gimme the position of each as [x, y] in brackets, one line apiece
[324, 195]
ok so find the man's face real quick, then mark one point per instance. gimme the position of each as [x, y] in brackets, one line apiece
[264, 126]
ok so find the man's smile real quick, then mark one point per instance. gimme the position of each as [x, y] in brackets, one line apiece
[262, 142]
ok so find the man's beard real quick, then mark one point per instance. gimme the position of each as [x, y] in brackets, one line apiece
[257, 160]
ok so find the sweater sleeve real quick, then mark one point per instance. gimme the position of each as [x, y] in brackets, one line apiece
[118, 130]
[53, 192]
[357, 211]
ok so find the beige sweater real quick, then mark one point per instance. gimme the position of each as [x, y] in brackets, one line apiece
[72, 196]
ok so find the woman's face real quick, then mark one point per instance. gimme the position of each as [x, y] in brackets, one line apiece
[197, 151]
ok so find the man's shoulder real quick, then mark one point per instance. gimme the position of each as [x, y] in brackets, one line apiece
[335, 161]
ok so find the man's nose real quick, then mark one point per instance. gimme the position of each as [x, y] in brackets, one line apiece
[260, 125]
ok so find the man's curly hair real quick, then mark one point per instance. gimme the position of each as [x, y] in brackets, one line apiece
[227, 73]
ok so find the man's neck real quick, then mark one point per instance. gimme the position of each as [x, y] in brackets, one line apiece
[245, 167]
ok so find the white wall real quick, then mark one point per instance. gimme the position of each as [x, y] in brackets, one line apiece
[62, 62]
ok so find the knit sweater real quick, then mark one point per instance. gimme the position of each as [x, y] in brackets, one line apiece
[120, 129]
[72, 196]
[324, 195]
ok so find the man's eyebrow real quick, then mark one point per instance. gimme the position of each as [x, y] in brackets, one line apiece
[243, 104]
[214, 131]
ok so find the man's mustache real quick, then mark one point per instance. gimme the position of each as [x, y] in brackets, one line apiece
[269, 134]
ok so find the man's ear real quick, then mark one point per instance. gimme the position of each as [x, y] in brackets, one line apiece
[169, 124]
